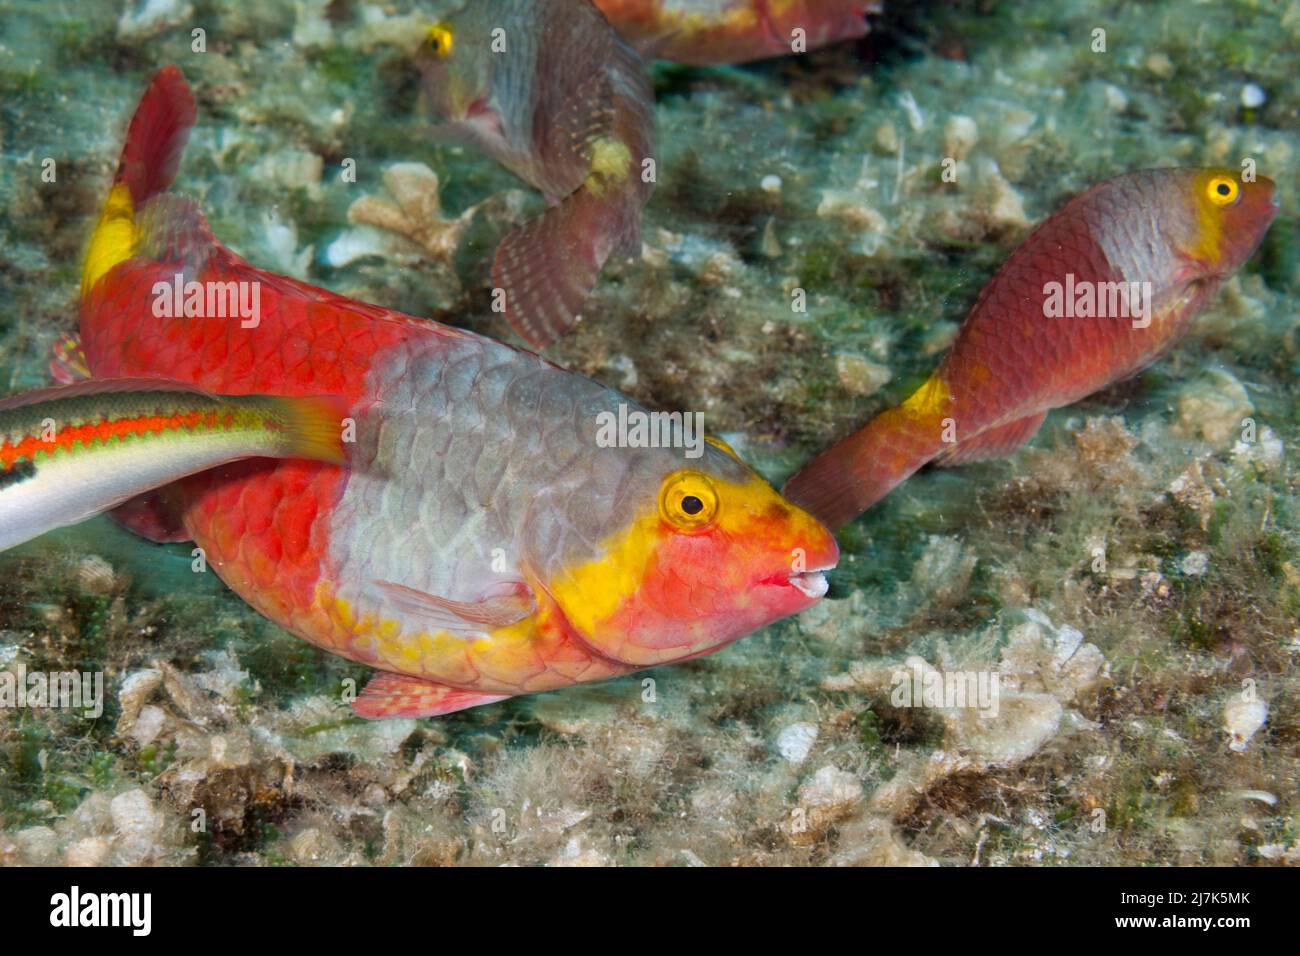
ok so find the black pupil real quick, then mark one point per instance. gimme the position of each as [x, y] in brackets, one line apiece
[1224, 189]
[692, 505]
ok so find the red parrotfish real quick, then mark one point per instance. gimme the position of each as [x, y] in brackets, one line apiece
[1094, 295]
[484, 542]
[76, 451]
[548, 90]
[712, 32]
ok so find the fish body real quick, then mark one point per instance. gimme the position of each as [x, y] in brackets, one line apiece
[713, 32]
[482, 542]
[72, 452]
[548, 90]
[1095, 294]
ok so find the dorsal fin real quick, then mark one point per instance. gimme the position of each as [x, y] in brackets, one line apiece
[155, 140]
[174, 229]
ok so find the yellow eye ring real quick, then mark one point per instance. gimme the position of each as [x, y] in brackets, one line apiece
[439, 40]
[1223, 190]
[688, 501]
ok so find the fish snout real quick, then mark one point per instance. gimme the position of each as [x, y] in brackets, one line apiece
[816, 554]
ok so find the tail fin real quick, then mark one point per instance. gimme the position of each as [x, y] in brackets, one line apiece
[852, 475]
[548, 267]
[155, 140]
[312, 427]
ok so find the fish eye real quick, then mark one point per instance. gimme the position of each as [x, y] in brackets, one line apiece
[1223, 191]
[439, 40]
[688, 501]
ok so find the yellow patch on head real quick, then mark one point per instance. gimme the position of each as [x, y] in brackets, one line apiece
[1215, 191]
[593, 592]
[114, 238]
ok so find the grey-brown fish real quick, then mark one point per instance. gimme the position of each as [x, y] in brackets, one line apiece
[549, 90]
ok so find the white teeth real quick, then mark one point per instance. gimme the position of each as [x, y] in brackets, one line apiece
[811, 583]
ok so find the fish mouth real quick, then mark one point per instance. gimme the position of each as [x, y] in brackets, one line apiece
[813, 584]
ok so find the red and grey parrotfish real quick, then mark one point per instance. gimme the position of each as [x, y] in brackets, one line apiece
[1095, 294]
[548, 90]
[69, 453]
[712, 32]
[484, 541]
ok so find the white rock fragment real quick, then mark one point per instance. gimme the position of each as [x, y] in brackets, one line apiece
[137, 687]
[1160, 65]
[579, 852]
[148, 725]
[859, 375]
[139, 20]
[358, 242]
[1195, 563]
[311, 27]
[914, 117]
[796, 741]
[1280, 852]
[280, 239]
[1212, 408]
[960, 134]
[137, 823]
[92, 851]
[1006, 207]
[1253, 96]
[771, 183]
[95, 575]
[887, 137]
[1265, 453]
[1116, 99]
[829, 795]
[1242, 719]
[850, 207]
[39, 846]
[292, 169]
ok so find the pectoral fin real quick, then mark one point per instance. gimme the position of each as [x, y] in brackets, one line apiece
[397, 695]
[993, 443]
[501, 606]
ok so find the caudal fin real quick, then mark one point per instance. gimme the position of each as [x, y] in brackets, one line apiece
[547, 267]
[155, 141]
[312, 427]
[855, 473]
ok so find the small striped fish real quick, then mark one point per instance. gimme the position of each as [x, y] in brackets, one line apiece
[72, 452]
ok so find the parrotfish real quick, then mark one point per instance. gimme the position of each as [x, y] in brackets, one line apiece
[482, 542]
[548, 90]
[1099, 291]
[712, 32]
[69, 453]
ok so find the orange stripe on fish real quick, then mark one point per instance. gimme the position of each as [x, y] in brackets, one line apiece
[99, 433]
